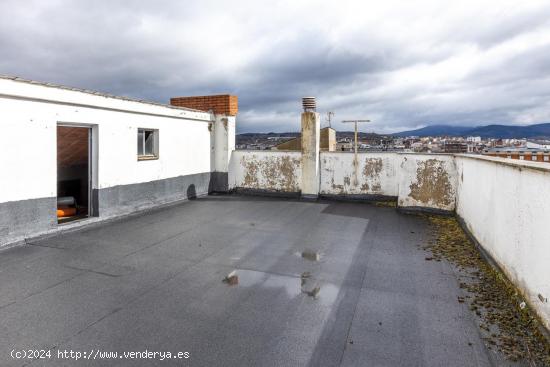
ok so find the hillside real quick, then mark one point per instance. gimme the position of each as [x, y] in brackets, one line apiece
[488, 131]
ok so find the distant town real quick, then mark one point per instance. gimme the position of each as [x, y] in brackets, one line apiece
[535, 148]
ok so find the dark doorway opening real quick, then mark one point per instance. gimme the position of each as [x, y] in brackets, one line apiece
[73, 173]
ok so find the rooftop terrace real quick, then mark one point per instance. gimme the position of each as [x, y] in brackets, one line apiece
[154, 282]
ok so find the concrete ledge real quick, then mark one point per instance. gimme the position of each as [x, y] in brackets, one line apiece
[359, 197]
[515, 163]
[309, 197]
[426, 210]
[269, 193]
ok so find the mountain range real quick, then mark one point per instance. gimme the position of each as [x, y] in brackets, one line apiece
[488, 131]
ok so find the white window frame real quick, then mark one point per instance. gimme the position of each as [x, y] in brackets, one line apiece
[155, 153]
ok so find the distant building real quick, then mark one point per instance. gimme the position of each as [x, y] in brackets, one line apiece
[473, 139]
[537, 145]
[455, 147]
[327, 141]
[524, 154]
[344, 145]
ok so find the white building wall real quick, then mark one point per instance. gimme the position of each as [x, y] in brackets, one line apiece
[506, 206]
[184, 144]
[28, 158]
[184, 148]
[29, 116]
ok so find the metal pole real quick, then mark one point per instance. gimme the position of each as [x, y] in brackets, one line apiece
[355, 160]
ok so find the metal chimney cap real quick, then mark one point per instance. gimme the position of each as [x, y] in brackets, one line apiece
[309, 104]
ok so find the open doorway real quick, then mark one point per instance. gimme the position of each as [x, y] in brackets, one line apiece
[73, 173]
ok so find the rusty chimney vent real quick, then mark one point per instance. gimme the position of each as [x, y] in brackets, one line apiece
[309, 104]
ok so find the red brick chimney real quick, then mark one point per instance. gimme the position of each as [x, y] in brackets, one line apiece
[223, 104]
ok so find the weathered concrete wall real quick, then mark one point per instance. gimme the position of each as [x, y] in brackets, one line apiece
[376, 174]
[506, 206]
[310, 154]
[267, 170]
[418, 180]
[427, 181]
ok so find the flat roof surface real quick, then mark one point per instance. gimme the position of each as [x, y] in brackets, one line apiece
[154, 282]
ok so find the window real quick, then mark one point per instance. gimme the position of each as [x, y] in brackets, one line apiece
[521, 157]
[533, 157]
[509, 156]
[147, 144]
[546, 158]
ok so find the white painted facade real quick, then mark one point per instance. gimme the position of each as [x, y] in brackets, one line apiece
[191, 146]
[30, 114]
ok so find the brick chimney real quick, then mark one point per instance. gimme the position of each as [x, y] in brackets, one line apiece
[222, 104]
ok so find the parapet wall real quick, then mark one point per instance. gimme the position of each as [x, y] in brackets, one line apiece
[504, 204]
[427, 181]
[376, 174]
[266, 171]
[417, 180]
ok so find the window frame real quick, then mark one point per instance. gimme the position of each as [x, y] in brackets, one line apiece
[155, 153]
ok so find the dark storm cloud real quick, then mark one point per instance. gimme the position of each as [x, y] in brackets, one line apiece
[403, 65]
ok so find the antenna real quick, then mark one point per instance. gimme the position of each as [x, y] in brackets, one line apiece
[329, 117]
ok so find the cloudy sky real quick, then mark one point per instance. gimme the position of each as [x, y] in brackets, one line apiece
[403, 64]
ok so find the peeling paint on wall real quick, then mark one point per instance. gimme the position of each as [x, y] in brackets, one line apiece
[371, 174]
[270, 172]
[432, 185]
[375, 174]
[417, 180]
